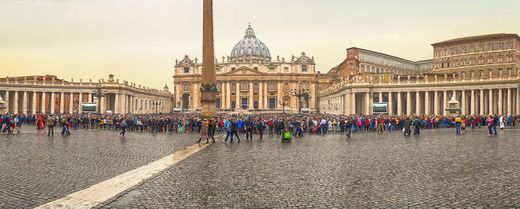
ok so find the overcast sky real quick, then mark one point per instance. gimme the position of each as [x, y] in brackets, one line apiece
[139, 40]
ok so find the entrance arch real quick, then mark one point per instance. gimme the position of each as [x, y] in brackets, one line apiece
[185, 101]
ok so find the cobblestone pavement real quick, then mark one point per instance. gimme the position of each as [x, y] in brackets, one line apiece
[435, 170]
[36, 169]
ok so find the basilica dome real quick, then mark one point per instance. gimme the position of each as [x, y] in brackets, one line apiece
[250, 48]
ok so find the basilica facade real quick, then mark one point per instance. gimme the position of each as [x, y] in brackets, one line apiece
[249, 79]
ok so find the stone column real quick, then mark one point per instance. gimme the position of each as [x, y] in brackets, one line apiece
[89, 98]
[102, 105]
[500, 102]
[279, 94]
[445, 102]
[238, 106]
[266, 96]
[251, 94]
[6, 99]
[15, 102]
[24, 102]
[43, 103]
[353, 103]
[472, 106]
[347, 103]
[71, 103]
[436, 105]
[380, 97]
[367, 103]
[62, 102]
[124, 103]
[418, 103]
[390, 104]
[116, 103]
[228, 97]
[260, 95]
[53, 102]
[517, 100]
[490, 101]
[196, 96]
[481, 102]
[223, 95]
[509, 102]
[427, 106]
[408, 103]
[80, 101]
[399, 103]
[33, 107]
[463, 101]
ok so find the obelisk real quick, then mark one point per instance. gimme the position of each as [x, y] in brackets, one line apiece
[208, 88]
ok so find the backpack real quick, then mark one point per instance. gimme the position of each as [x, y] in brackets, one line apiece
[287, 135]
[260, 126]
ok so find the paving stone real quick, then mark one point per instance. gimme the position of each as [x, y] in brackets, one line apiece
[36, 169]
[436, 170]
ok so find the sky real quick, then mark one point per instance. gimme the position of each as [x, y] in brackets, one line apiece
[139, 40]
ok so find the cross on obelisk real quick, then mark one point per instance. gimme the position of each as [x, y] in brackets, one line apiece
[208, 88]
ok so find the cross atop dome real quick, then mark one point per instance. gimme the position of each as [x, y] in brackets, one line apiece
[249, 31]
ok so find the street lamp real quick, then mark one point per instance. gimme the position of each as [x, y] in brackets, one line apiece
[283, 102]
[99, 93]
[299, 93]
[156, 103]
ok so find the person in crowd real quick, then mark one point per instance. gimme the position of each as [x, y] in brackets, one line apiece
[212, 127]
[249, 129]
[204, 131]
[50, 125]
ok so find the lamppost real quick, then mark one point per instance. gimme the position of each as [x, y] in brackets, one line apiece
[156, 103]
[99, 93]
[299, 93]
[283, 102]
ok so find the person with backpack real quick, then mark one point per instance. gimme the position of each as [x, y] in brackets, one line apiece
[249, 129]
[50, 125]
[235, 129]
[228, 126]
[260, 127]
[348, 127]
[212, 128]
[123, 126]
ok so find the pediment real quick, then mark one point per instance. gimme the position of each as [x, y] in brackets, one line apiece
[243, 71]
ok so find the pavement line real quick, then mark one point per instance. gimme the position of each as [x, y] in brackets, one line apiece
[108, 189]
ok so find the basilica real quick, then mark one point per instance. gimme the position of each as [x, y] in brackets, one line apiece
[249, 79]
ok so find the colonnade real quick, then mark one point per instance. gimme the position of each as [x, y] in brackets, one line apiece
[48, 101]
[231, 95]
[481, 100]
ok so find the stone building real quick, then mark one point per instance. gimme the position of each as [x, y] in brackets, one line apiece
[482, 72]
[50, 94]
[250, 80]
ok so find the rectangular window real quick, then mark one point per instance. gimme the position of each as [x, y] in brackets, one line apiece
[271, 86]
[186, 86]
[272, 103]
[304, 68]
[186, 69]
[244, 86]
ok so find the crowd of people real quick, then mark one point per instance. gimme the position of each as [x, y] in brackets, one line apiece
[235, 125]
